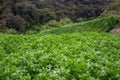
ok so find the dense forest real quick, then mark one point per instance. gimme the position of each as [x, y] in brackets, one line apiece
[22, 14]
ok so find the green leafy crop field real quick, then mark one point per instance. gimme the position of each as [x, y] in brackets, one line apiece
[75, 56]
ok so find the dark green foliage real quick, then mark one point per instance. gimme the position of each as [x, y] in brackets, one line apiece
[28, 11]
[77, 56]
[17, 23]
[42, 11]
[45, 15]
[31, 13]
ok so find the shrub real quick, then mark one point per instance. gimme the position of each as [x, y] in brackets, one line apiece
[65, 21]
[51, 24]
[30, 32]
[11, 31]
[80, 20]
[36, 27]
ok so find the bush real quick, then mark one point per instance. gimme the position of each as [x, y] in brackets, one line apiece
[51, 24]
[11, 31]
[30, 32]
[17, 23]
[36, 27]
[79, 19]
[65, 21]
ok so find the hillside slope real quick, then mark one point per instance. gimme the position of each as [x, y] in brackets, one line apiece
[104, 24]
[112, 9]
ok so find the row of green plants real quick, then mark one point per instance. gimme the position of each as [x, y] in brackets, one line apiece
[75, 56]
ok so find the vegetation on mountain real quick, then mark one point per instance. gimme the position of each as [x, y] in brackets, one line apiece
[34, 12]
[112, 9]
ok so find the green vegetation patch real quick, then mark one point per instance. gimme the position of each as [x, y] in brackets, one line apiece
[112, 9]
[99, 25]
[76, 56]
